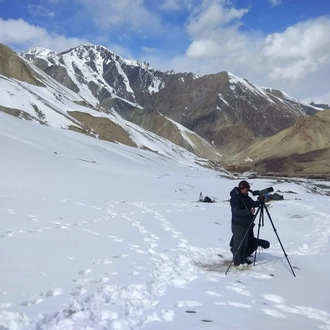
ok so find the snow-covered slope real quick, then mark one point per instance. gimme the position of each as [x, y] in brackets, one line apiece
[47, 101]
[97, 235]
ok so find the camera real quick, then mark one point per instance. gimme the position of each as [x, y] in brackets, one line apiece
[261, 192]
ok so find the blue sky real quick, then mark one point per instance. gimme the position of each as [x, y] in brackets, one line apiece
[275, 43]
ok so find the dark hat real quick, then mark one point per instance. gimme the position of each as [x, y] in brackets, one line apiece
[244, 185]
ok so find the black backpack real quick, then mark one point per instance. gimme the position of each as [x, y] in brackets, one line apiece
[207, 199]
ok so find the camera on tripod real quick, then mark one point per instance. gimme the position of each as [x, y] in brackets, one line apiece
[261, 192]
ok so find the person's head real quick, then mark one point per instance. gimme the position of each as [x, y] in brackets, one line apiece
[244, 187]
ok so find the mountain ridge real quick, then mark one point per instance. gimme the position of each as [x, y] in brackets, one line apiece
[90, 104]
[219, 107]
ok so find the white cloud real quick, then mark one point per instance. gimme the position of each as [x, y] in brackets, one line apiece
[149, 49]
[132, 15]
[275, 3]
[22, 35]
[319, 98]
[171, 5]
[40, 11]
[292, 60]
[177, 4]
[211, 16]
[298, 51]
[296, 60]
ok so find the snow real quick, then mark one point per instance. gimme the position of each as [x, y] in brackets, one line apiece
[289, 98]
[25, 97]
[40, 52]
[97, 235]
[223, 100]
[247, 85]
[156, 85]
[55, 102]
[125, 79]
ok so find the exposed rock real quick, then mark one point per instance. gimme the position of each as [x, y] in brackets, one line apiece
[303, 148]
[103, 127]
[13, 66]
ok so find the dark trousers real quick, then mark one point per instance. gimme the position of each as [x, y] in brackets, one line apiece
[238, 235]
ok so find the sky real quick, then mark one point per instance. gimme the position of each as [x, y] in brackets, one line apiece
[273, 43]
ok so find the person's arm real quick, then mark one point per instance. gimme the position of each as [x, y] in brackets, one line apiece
[254, 203]
[237, 211]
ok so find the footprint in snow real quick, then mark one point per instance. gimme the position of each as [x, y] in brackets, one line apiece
[116, 239]
[120, 256]
[234, 304]
[181, 304]
[84, 271]
[102, 262]
[215, 294]
[96, 207]
[274, 313]
[80, 290]
[34, 218]
[239, 288]
[39, 298]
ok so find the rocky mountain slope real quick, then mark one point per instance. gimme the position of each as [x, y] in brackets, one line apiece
[303, 148]
[29, 93]
[226, 110]
[98, 93]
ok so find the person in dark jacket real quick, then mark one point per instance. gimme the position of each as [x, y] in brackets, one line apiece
[242, 210]
[252, 244]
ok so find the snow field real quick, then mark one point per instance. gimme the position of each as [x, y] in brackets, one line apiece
[103, 236]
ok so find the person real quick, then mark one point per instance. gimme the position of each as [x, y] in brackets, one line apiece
[242, 210]
[252, 244]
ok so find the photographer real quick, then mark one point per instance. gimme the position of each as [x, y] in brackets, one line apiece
[242, 209]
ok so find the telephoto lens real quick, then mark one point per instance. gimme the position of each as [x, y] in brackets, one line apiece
[262, 192]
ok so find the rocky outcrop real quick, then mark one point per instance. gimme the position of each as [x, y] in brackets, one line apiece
[13, 66]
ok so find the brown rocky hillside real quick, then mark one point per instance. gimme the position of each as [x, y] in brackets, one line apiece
[303, 148]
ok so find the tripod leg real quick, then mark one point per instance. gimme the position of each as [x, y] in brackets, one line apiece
[286, 256]
[240, 245]
[261, 222]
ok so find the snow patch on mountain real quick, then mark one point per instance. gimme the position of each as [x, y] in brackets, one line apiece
[279, 94]
[40, 52]
[234, 80]
[223, 100]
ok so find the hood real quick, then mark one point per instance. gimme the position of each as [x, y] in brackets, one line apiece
[235, 192]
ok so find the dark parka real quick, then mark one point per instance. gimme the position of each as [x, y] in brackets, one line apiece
[241, 206]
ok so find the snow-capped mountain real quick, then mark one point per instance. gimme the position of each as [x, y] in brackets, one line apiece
[219, 107]
[35, 96]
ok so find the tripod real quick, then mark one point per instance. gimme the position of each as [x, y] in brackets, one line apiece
[260, 210]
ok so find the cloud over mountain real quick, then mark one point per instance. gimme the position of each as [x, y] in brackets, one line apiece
[274, 43]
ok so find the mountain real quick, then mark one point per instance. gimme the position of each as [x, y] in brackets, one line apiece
[29, 93]
[320, 105]
[302, 149]
[226, 110]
